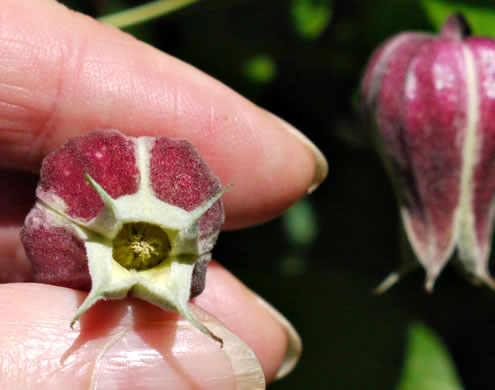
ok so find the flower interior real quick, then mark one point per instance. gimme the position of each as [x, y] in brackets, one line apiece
[148, 252]
[140, 246]
[125, 216]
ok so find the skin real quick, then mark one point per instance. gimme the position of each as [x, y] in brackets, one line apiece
[63, 74]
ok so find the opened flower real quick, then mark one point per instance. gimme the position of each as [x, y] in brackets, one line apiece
[122, 216]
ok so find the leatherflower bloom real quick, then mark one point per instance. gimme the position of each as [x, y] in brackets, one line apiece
[430, 101]
[120, 216]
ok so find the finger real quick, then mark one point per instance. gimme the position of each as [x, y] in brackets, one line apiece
[16, 199]
[63, 74]
[125, 344]
[232, 302]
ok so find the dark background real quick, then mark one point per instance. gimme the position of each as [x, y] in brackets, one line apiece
[303, 60]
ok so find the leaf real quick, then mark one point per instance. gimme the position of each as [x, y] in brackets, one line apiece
[261, 69]
[311, 17]
[428, 365]
[300, 223]
[481, 17]
[293, 265]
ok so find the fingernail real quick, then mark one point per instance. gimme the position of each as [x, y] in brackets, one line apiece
[174, 355]
[246, 367]
[294, 343]
[321, 164]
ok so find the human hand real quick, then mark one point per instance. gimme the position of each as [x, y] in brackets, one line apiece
[63, 74]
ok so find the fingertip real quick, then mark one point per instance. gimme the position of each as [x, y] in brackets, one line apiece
[282, 170]
[320, 165]
[275, 342]
[152, 343]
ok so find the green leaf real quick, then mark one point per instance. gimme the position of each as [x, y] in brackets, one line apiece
[293, 265]
[428, 365]
[300, 223]
[311, 17]
[481, 17]
[261, 69]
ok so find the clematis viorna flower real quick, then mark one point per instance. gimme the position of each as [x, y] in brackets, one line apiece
[122, 216]
[430, 101]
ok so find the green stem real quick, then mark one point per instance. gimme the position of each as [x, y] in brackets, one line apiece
[143, 13]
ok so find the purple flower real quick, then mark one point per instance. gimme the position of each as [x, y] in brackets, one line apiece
[431, 103]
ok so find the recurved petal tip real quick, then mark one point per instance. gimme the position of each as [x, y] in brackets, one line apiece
[485, 277]
[431, 277]
[406, 267]
[389, 281]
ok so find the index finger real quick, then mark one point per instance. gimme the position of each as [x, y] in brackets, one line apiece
[63, 74]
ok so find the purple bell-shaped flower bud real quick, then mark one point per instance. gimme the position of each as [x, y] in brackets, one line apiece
[430, 101]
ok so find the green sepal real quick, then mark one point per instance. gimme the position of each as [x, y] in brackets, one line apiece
[200, 210]
[108, 222]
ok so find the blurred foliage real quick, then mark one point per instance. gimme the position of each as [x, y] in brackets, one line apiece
[303, 60]
[311, 17]
[428, 365]
[301, 228]
[261, 69]
[480, 14]
[300, 223]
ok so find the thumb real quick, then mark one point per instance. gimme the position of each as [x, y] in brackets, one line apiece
[120, 345]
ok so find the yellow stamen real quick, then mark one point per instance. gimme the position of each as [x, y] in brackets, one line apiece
[140, 246]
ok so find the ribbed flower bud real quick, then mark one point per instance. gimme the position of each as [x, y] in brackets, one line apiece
[430, 101]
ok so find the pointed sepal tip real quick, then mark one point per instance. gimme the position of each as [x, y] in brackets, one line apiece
[199, 211]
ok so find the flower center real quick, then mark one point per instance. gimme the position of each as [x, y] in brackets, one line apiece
[140, 246]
